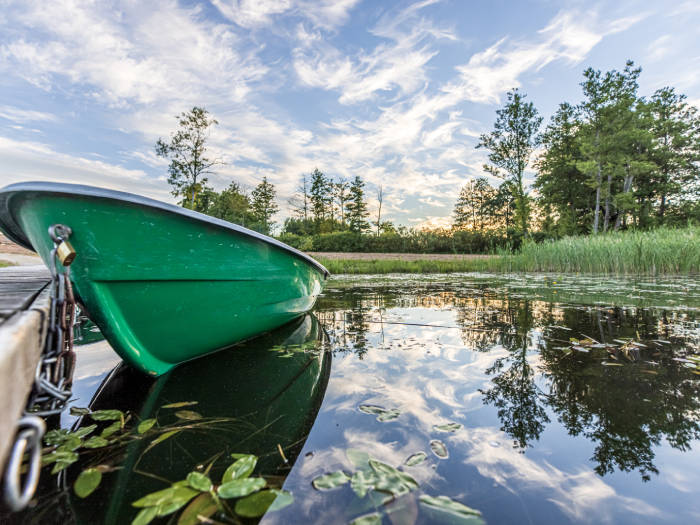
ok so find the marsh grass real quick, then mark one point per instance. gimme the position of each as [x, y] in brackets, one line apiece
[664, 251]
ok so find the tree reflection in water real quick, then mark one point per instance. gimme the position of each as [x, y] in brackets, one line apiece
[625, 411]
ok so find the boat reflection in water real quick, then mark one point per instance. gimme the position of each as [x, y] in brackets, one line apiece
[269, 390]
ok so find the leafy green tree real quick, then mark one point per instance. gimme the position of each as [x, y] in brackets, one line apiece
[341, 195]
[320, 196]
[187, 153]
[263, 205]
[357, 207]
[675, 153]
[233, 205]
[510, 146]
[560, 183]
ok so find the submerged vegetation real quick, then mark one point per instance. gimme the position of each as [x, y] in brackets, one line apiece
[664, 251]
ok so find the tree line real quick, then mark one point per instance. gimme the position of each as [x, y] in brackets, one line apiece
[615, 160]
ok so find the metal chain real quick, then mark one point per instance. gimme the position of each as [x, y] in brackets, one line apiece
[53, 379]
[54, 374]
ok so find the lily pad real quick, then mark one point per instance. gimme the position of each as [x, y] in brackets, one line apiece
[107, 415]
[415, 459]
[445, 504]
[255, 505]
[362, 482]
[392, 480]
[166, 496]
[238, 488]
[330, 481]
[145, 516]
[86, 483]
[359, 458]
[283, 499]
[241, 468]
[439, 448]
[368, 519]
[447, 427]
[383, 414]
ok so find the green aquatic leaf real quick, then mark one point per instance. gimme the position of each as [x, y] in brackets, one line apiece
[241, 468]
[255, 505]
[447, 427]
[107, 415]
[180, 404]
[416, 459]
[83, 431]
[362, 482]
[60, 458]
[88, 480]
[443, 503]
[238, 488]
[175, 493]
[96, 442]
[203, 505]
[188, 415]
[56, 437]
[145, 425]
[145, 516]
[331, 480]
[359, 458]
[383, 414]
[368, 519]
[283, 498]
[79, 411]
[163, 437]
[392, 480]
[439, 448]
[111, 429]
[199, 481]
[71, 443]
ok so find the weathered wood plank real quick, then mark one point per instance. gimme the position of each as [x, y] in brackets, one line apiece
[22, 336]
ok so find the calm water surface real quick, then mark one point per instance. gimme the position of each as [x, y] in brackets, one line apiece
[571, 399]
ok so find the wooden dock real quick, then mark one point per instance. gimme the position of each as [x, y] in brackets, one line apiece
[24, 309]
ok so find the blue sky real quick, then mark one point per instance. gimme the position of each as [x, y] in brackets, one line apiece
[396, 92]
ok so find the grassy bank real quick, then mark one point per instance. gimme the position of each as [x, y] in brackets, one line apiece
[659, 252]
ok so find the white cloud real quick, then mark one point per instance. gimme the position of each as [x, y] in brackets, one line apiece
[23, 116]
[327, 14]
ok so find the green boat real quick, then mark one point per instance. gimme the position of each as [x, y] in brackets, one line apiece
[164, 284]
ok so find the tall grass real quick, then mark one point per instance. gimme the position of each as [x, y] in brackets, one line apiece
[664, 251]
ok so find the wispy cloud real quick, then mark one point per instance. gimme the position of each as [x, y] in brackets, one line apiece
[22, 116]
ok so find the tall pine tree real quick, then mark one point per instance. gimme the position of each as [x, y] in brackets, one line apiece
[357, 207]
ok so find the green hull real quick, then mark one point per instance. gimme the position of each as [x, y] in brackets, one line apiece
[164, 284]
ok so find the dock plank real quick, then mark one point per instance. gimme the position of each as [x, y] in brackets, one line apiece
[24, 303]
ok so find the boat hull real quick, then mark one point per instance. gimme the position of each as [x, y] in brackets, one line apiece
[163, 285]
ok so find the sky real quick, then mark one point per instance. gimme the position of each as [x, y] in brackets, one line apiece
[396, 92]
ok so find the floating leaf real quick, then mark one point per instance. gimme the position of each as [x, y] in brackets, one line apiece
[180, 404]
[111, 429]
[382, 413]
[330, 481]
[443, 503]
[107, 415]
[363, 481]
[241, 468]
[96, 442]
[368, 519]
[71, 443]
[79, 411]
[448, 427]
[88, 480]
[56, 437]
[392, 480]
[175, 493]
[238, 488]
[145, 425]
[203, 505]
[608, 363]
[199, 481]
[416, 459]
[82, 432]
[283, 499]
[359, 458]
[439, 448]
[163, 437]
[188, 415]
[255, 505]
[145, 516]
[61, 459]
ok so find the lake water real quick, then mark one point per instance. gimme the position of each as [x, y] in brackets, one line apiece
[532, 399]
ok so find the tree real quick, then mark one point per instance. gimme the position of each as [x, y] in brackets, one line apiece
[380, 199]
[320, 197]
[560, 183]
[299, 202]
[340, 193]
[187, 151]
[464, 212]
[510, 145]
[232, 205]
[263, 204]
[357, 207]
